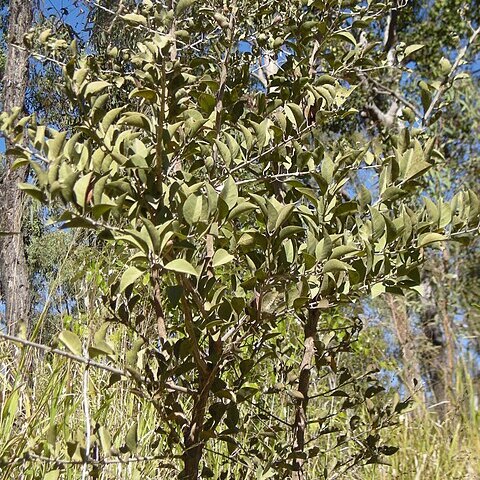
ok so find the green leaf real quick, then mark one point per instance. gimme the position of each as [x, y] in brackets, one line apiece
[248, 137]
[135, 19]
[289, 231]
[192, 208]
[224, 152]
[80, 188]
[130, 275]
[327, 169]
[93, 88]
[343, 251]
[324, 248]
[295, 114]
[378, 223]
[229, 193]
[131, 440]
[100, 348]
[348, 37]
[135, 119]
[417, 169]
[377, 289]
[241, 208]
[109, 118]
[182, 5]
[55, 145]
[105, 441]
[364, 196]
[52, 475]
[392, 193]
[412, 48]
[430, 238]
[335, 265]
[71, 341]
[261, 129]
[283, 215]
[181, 266]
[445, 66]
[221, 257]
[32, 190]
[153, 233]
[272, 216]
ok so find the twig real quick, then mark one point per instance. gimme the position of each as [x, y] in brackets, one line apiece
[36, 55]
[272, 149]
[274, 176]
[399, 97]
[86, 411]
[85, 361]
[105, 461]
[449, 77]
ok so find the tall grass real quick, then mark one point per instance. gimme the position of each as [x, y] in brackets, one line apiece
[52, 409]
[43, 420]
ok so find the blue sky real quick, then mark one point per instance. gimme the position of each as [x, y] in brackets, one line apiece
[72, 13]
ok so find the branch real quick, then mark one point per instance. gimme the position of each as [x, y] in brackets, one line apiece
[189, 327]
[301, 421]
[86, 410]
[390, 33]
[272, 149]
[389, 39]
[387, 119]
[399, 97]
[107, 461]
[85, 361]
[449, 77]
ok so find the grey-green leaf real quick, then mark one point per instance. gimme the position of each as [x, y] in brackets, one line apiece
[130, 275]
[221, 257]
[181, 266]
[71, 341]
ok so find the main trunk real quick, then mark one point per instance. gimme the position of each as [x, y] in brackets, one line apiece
[193, 442]
[300, 423]
[14, 278]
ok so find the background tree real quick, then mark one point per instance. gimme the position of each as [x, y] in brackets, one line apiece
[14, 276]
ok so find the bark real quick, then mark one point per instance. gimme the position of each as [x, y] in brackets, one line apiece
[448, 325]
[411, 366]
[193, 442]
[438, 327]
[14, 277]
[434, 360]
[192, 435]
[300, 423]
[157, 303]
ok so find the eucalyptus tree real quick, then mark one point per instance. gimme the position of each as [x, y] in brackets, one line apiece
[241, 222]
[442, 68]
[14, 277]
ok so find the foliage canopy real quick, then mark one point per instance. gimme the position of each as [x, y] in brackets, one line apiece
[204, 155]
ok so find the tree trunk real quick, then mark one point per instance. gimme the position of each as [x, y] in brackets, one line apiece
[14, 277]
[411, 366]
[435, 357]
[300, 423]
[193, 442]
